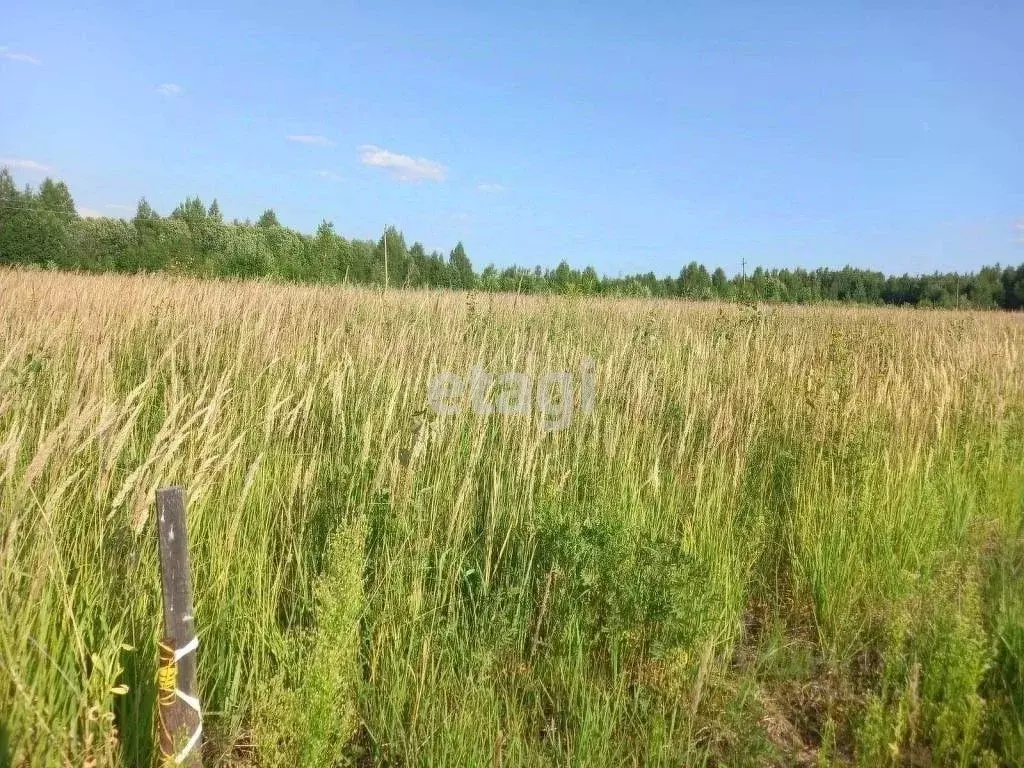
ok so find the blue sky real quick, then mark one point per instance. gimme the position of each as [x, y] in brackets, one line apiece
[630, 136]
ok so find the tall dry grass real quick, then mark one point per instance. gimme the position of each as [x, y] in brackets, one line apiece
[783, 535]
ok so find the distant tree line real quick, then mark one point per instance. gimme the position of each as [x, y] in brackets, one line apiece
[42, 227]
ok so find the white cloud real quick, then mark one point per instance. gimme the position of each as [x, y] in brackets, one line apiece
[27, 58]
[402, 167]
[489, 186]
[1019, 226]
[461, 218]
[313, 140]
[90, 213]
[329, 175]
[17, 164]
[169, 89]
[120, 207]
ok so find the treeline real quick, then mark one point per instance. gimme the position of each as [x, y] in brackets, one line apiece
[42, 227]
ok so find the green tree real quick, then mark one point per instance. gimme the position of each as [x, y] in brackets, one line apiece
[462, 269]
[268, 219]
[56, 197]
[694, 282]
[151, 252]
[42, 227]
[719, 283]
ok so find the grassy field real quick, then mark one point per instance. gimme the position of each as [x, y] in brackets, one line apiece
[783, 536]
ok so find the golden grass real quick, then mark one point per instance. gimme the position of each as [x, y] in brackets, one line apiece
[846, 480]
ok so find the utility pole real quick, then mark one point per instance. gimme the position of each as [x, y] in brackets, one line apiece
[743, 282]
[385, 258]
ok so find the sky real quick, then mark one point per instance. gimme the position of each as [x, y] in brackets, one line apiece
[630, 136]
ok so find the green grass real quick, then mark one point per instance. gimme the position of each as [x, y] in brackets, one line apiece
[784, 537]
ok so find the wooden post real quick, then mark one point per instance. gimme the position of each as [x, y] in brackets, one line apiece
[180, 715]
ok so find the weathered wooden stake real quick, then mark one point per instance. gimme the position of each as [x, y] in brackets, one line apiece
[180, 716]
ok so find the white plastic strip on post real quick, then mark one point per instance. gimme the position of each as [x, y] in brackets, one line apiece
[191, 701]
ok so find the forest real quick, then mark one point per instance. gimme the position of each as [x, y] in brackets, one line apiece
[41, 226]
